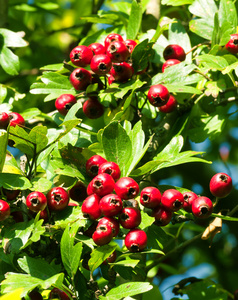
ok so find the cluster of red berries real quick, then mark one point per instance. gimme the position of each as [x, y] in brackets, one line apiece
[12, 119]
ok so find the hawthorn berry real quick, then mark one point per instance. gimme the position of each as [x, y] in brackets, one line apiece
[90, 207]
[36, 201]
[130, 217]
[174, 51]
[35, 295]
[220, 185]
[4, 120]
[150, 197]
[170, 106]
[16, 119]
[57, 199]
[110, 168]
[78, 192]
[4, 210]
[188, 197]
[101, 64]
[92, 108]
[110, 205]
[112, 37]
[130, 45]
[44, 214]
[158, 95]
[80, 78]
[111, 258]
[102, 235]
[93, 164]
[232, 45]
[102, 184]
[97, 48]
[114, 223]
[202, 207]
[162, 216]
[118, 51]
[64, 102]
[126, 188]
[136, 240]
[169, 63]
[121, 72]
[172, 200]
[11, 194]
[81, 56]
[58, 294]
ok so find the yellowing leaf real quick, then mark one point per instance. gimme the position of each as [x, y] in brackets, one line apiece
[16, 295]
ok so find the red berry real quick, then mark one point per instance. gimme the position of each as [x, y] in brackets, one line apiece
[136, 240]
[4, 120]
[126, 188]
[64, 102]
[232, 45]
[58, 294]
[202, 207]
[16, 119]
[158, 95]
[111, 258]
[101, 64]
[4, 210]
[150, 197]
[110, 79]
[35, 295]
[220, 185]
[11, 194]
[97, 48]
[92, 108]
[169, 63]
[188, 197]
[102, 184]
[162, 216]
[121, 72]
[36, 201]
[78, 192]
[130, 217]
[170, 106]
[102, 235]
[172, 200]
[80, 78]
[114, 223]
[44, 215]
[110, 168]
[110, 205]
[174, 52]
[130, 45]
[81, 56]
[112, 37]
[90, 207]
[89, 189]
[57, 199]
[93, 164]
[118, 51]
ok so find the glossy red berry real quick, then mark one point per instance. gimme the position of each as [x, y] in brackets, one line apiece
[110, 79]
[16, 119]
[97, 48]
[162, 216]
[130, 217]
[92, 108]
[136, 240]
[118, 51]
[114, 223]
[220, 185]
[170, 106]
[36, 201]
[81, 56]
[188, 197]
[57, 199]
[112, 37]
[4, 120]
[93, 164]
[174, 51]
[102, 184]
[169, 63]
[4, 210]
[110, 205]
[64, 102]
[78, 192]
[172, 200]
[58, 294]
[11, 194]
[80, 78]
[130, 45]
[111, 258]
[102, 235]
[126, 188]
[158, 95]
[150, 197]
[121, 72]
[202, 207]
[232, 45]
[44, 214]
[110, 168]
[90, 207]
[101, 64]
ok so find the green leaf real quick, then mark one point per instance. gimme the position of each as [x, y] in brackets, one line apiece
[180, 88]
[176, 2]
[202, 27]
[227, 13]
[153, 294]
[146, 168]
[229, 68]
[14, 181]
[141, 55]
[134, 22]
[216, 31]
[3, 147]
[127, 263]
[41, 184]
[126, 290]
[98, 256]
[30, 113]
[225, 33]
[213, 62]
[12, 39]
[204, 9]
[9, 61]
[117, 145]
[157, 237]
